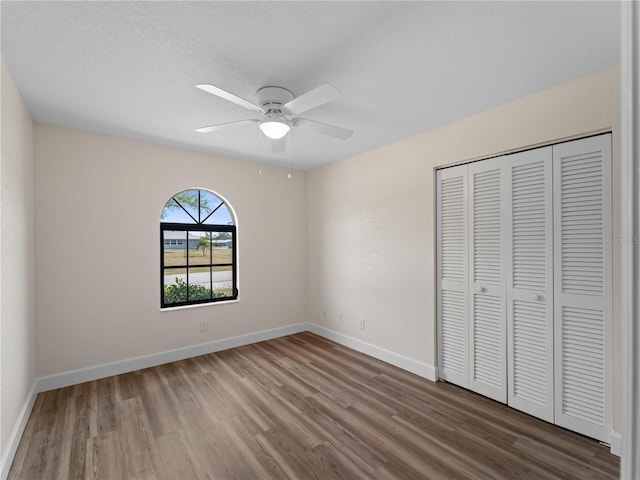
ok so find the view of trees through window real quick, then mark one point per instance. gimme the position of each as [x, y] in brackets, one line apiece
[198, 249]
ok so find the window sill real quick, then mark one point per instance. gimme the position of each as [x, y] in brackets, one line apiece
[198, 305]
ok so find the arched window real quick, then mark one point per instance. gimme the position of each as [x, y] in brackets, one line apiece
[197, 250]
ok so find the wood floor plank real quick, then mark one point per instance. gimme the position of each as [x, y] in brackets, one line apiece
[137, 437]
[106, 405]
[360, 453]
[284, 453]
[298, 407]
[332, 463]
[250, 435]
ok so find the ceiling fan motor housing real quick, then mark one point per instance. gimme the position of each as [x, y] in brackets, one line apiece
[272, 98]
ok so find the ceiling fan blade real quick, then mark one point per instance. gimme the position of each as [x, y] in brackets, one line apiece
[325, 93]
[239, 123]
[230, 97]
[279, 145]
[322, 128]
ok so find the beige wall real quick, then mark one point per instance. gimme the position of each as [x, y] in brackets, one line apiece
[17, 323]
[371, 222]
[98, 204]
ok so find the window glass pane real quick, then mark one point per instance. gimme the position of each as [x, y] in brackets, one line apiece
[222, 216]
[172, 213]
[175, 286]
[208, 203]
[199, 283]
[189, 200]
[199, 248]
[222, 247]
[222, 281]
[169, 207]
[174, 251]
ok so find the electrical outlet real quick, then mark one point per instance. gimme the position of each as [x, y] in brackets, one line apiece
[340, 318]
[324, 314]
[362, 324]
[204, 327]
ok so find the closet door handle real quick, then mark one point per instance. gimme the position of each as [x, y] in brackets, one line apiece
[481, 289]
[536, 297]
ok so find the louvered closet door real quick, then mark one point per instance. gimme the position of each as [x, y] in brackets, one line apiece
[529, 223]
[452, 274]
[487, 289]
[582, 284]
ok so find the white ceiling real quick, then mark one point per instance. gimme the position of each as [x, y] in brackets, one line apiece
[129, 68]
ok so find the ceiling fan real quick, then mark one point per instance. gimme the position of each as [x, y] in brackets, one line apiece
[278, 106]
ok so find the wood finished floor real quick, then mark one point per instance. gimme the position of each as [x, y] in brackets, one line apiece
[298, 407]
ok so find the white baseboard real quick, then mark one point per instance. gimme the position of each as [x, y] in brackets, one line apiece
[73, 377]
[616, 443]
[419, 368]
[16, 433]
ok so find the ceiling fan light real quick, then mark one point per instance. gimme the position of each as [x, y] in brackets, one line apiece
[274, 129]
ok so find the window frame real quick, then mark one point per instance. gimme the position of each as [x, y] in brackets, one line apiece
[199, 227]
